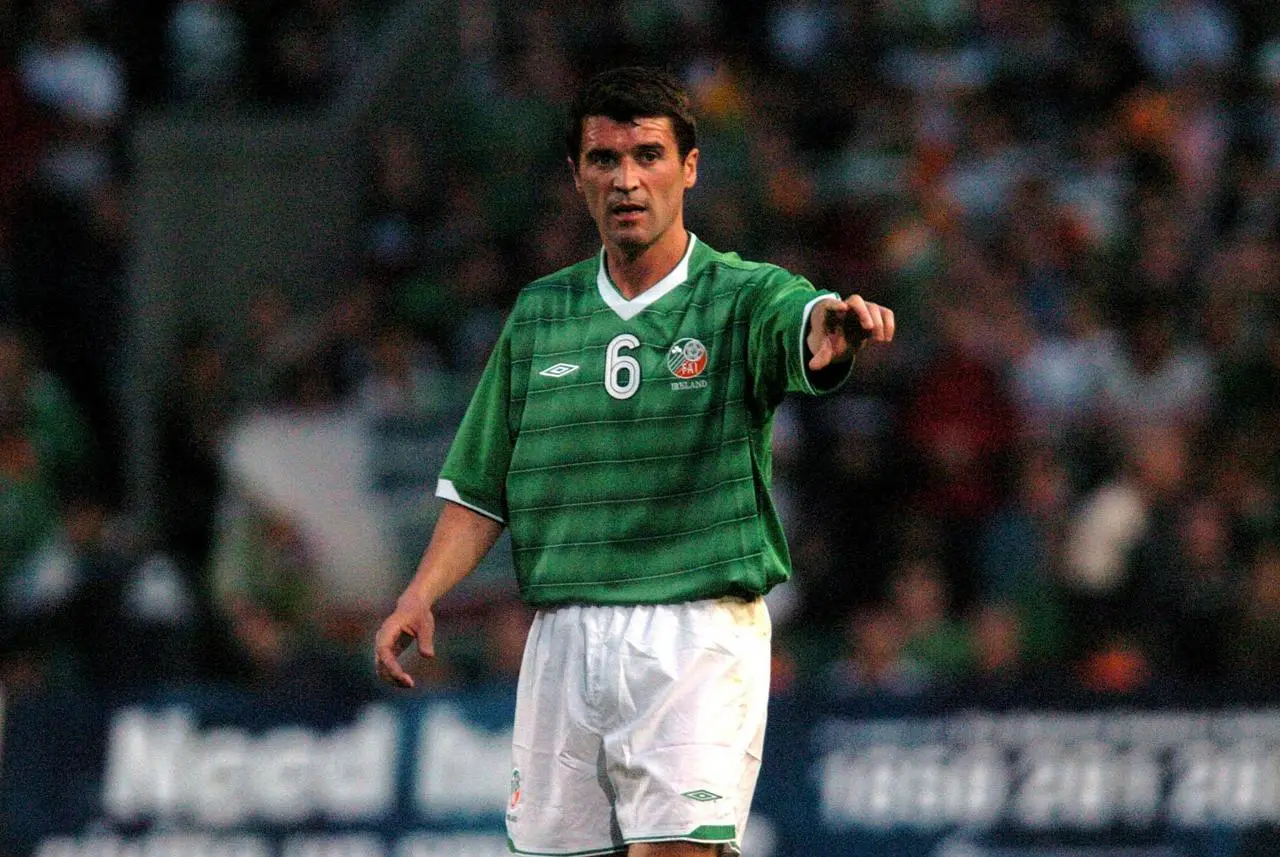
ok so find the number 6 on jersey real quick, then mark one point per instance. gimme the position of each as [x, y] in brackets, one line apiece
[614, 364]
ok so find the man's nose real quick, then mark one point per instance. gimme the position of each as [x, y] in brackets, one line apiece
[625, 177]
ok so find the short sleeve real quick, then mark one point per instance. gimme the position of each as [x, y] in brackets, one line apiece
[475, 470]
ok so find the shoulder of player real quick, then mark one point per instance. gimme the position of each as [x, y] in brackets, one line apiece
[746, 276]
[574, 278]
[746, 269]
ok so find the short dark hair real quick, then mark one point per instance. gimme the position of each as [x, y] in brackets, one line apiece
[628, 93]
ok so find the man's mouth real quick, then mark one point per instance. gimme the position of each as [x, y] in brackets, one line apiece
[626, 209]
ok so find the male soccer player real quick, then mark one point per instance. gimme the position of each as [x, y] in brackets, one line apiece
[621, 431]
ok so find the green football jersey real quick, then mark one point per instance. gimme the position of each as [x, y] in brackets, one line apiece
[626, 443]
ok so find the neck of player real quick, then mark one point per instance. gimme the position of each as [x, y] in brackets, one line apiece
[636, 271]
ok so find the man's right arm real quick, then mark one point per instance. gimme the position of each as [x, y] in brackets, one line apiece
[461, 539]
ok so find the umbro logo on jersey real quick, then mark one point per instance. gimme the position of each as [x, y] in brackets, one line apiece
[559, 370]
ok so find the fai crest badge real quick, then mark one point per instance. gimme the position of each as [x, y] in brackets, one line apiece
[686, 358]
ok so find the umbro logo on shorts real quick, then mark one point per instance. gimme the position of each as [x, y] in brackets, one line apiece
[559, 370]
[700, 795]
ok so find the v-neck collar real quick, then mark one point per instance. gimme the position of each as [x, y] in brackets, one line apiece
[629, 309]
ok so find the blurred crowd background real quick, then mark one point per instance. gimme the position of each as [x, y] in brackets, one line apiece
[1062, 478]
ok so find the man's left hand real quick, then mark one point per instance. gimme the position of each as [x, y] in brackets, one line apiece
[838, 328]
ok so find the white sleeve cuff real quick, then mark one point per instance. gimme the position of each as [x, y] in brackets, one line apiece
[804, 327]
[445, 490]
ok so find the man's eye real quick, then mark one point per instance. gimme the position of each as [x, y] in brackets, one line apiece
[601, 159]
[650, 157]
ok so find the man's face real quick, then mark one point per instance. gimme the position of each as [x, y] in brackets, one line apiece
[633, 179]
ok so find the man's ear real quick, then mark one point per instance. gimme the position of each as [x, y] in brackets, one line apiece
[691, 169]
[573, 168]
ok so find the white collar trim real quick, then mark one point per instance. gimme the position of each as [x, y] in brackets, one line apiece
[629, 309]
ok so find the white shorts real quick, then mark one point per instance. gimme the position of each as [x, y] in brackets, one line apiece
[638, 724]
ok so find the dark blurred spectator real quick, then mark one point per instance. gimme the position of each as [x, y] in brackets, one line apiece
[1019, 554]
[460, 222]
[1115, 664]
[111, 615]
[207, 51]
[1039, 239]
[68, 220]
[264, 583]
[301, 557]
[35, 402]
[959, 426]
[1108, 526]
[1253, 638]
[81, 86]
[998, 654]
[1185, 581]
[26, 496]
[44, 447]
[310, 49]
[852, 563]
[193, 420]
[1244, 483]
[68, 277]
[404, 380]
[1246, 477]
[1001, 674]
[989, 164]
[1093, 190]
[1057, 379]
[875, 661]
[1159, 376]
[1199, 142]
[275, 340]
[23, 133]
[932, 638]
[509, 121]
[1180, 38]
[38, 599]
[398, 205]
[1106, 64]
[554, 243]
[1240, 308]
[461, 313]
[1163, 257]
[1248, 383]
[407, 402]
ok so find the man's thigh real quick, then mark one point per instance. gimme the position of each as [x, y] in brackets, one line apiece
[684, 753]
[640, 727]
[561, 801]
